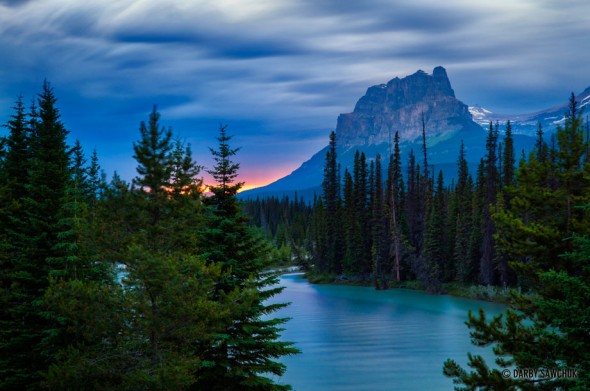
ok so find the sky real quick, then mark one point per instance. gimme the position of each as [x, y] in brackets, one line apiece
[277, 72]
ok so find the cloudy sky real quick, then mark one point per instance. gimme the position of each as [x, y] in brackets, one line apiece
[278, 72]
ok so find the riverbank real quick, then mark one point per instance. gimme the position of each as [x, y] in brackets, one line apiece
[280, 270]
[478, 292]
[359, 339]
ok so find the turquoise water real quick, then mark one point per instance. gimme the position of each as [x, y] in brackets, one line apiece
[357, 338]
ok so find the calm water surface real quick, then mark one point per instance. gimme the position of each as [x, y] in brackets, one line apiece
[357, 338]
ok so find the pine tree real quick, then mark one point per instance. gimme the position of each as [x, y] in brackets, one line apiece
[13, 241]
[413, 204]
[505, 275]
[491, 180]
[152, 153]
[463, 219]
[361, 227]
[380, 239]
[394, 199]
[541, 148]
[477, 215]
[185, 171]
[331, 191]
[508, 157]
[349, 221]
[18, 153]
[434, 240]
[243, 354]
[38, 167]
[95, 180]
[318, 232]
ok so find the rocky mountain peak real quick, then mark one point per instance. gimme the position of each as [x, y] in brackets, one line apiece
[399, 106]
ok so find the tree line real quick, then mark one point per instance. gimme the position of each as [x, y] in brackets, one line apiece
[520, 222]
[126, 286]
[381, 224]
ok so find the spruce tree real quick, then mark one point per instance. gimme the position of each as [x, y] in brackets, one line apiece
[13, 242]
[541, 148]
[463, 219]
[38, 167]
[413, 203]
[331, 195]
[363, 212]
[318, 233]
[505, 275]
[152, 153]
[508, 157]
[379, 240]
[491, 180]
[185, 172]
[349, 221]
[244, 352]
[394, 199]
[434, 240]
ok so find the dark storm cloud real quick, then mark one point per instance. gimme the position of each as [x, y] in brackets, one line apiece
[280, 71]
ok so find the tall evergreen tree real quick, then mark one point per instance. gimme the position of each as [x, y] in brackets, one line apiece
[361, 228]
[434, 239]
[394, 199]
[505, 275]
[184, 176]
[463, 219]
[318, 232]
[243, 354]
[541, 148]
[508, 157]
[491, 180]
[152, 153]
[380, 238]
[412, 203]
[349, 221]
[38, 163]
[331, 188]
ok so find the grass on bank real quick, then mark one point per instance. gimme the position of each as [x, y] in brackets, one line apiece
[479, 292]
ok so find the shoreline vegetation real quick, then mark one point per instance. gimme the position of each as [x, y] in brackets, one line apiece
[489, 293]
[517, 231]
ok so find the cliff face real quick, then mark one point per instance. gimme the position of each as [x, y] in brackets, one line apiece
[399, 106]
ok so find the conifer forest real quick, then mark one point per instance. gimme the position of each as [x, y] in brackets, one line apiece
[163, 283]
[147, 285]
[520, 223]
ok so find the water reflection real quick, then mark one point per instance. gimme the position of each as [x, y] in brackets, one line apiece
[357, 338]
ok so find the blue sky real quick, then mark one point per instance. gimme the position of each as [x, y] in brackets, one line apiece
[278, 72]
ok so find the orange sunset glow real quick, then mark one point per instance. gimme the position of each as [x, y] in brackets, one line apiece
[256, 177]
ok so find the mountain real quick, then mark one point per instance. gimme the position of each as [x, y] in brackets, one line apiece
[527, 124]
[401, 105]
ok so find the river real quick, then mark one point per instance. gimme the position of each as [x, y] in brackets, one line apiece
[359, 339]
